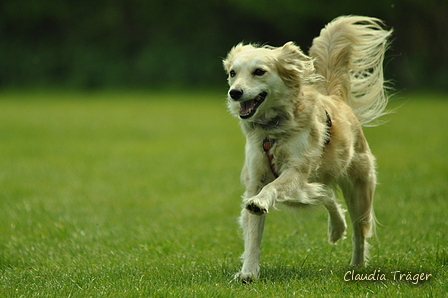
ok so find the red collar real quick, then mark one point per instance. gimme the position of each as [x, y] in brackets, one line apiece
[267, 145]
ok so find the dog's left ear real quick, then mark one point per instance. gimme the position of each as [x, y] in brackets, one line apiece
[293, 65]
[230, 56]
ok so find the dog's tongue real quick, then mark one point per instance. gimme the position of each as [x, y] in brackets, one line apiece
[246, 107]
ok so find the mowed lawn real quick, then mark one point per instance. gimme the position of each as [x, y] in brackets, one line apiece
[137, 194]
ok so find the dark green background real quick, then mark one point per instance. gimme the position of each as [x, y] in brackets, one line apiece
[135, 43]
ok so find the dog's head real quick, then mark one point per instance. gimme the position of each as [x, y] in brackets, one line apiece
[264, 78]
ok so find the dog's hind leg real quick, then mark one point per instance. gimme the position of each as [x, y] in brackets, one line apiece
[336, 220]
[252, 226]
[359, 198]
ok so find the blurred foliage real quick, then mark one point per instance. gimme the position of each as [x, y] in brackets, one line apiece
[138, 43]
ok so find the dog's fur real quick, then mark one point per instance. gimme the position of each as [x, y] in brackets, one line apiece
[285, 96]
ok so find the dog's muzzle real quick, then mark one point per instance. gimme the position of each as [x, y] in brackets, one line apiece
[248, 108]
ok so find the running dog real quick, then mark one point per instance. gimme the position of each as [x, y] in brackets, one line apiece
[302, 117]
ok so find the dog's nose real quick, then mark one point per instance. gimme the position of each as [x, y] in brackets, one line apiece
[236, 93]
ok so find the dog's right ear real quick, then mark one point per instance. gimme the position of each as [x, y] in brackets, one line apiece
[227, 63]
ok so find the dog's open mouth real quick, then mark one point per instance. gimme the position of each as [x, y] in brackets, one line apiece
[249, 107]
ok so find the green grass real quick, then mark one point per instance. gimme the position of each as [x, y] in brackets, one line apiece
[137, 194]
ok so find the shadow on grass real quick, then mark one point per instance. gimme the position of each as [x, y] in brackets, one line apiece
[289, 273]
[286, 273]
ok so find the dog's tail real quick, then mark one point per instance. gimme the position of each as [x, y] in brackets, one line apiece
[349, 53]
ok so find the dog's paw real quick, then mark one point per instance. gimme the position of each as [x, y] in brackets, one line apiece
[245, 277]
[336, 229]
[255, 206]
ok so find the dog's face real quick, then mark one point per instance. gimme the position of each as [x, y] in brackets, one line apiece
[261, 77]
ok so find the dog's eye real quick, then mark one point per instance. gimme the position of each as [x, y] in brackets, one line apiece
[259, 72]
[232, 73]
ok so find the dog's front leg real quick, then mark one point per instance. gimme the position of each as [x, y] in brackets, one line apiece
[290, 187]
[252, 226]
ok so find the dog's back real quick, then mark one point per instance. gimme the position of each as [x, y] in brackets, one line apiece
[349, 54]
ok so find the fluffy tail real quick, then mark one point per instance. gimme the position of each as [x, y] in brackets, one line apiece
[349, 53]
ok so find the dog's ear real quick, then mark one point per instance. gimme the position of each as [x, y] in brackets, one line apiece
[293, 65]
[227, 63]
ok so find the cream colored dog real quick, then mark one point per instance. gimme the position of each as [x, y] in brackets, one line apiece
[302, 118]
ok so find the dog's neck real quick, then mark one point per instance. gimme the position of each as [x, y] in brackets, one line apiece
[268, 124]
[265, 125]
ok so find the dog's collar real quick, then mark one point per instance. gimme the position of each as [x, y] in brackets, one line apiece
[329, 125]
[267, 145]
